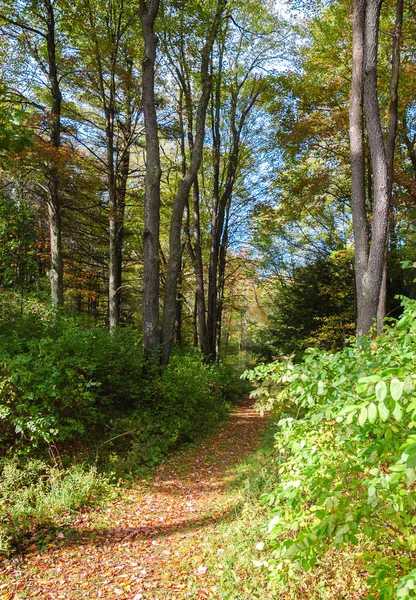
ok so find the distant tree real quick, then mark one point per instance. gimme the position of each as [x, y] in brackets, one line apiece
[34, 27]
[106, 40]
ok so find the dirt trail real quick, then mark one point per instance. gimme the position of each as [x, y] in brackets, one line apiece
[146, 544]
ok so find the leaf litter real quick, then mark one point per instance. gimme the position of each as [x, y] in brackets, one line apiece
[148, 543]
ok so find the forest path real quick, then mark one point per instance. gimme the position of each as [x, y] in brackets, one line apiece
[147, 544]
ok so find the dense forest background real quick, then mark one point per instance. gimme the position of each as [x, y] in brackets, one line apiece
[252, 119]
[179, 200]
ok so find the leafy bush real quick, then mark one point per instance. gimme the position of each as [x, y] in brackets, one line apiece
[59, 379]
[35, 494]
[345, 459]
[195, 391]
[186, 400]
[62, 381]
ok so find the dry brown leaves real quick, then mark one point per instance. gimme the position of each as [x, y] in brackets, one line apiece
[144, 545]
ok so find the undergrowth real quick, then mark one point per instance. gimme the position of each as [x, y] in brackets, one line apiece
[34, 495]
[70, 391]
[344, 469]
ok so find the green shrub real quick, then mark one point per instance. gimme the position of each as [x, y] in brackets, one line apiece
[345, 459]
[34, 494]
[62, 381]
[58, 379]
[186, 400]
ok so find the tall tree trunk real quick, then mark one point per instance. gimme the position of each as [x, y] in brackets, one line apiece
[195, 323]
[391, 145]
[221, 285]
[54, 203]
[194, 245]
[217, 210]
[358, 199]
[56, 269]
[184, 187]
[121, 208]
[108, 106]
[195, 253]
[150, 302]
[113, 303]
[370, 259]
[372, 280]
[179, 307]
[199, 273]
[221, 205]
[122, 174]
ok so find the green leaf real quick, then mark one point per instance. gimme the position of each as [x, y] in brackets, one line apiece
[383, 411]
[363, 416]
[381, 391]
[396, 389]
[411, 456]
[410, 476]
[292, 550]
[372, 412]
[398, 412]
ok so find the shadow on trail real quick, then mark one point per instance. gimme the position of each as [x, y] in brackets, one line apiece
[150, 524]
[115, 536]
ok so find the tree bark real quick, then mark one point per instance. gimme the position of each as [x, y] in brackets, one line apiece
[391, 145]
[372, 280]
[150, 301]
[221, 285]
[113, 303]
[358, 199]
[194, 245]
[56, 274]
[218, 209]
[199, 273]
[370, 259]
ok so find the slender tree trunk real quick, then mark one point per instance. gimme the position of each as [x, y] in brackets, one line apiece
[391, 145]
[360, 222]
[54, 203]
[179, 306]
[199, 274]
[221, 285]
[123, 174]
[56, 269]
[195, 323]
[194, 244]
[370, 259]
[195, 252]
[113, 304]
[219, 220]
[121, 207]
[108, 106]
[151, 284]
[184, 187]
[216, 228]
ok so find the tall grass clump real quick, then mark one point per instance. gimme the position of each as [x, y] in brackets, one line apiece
[34, 495]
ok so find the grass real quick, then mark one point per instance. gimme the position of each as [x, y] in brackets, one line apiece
[229, 547]
[35, 496]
